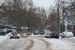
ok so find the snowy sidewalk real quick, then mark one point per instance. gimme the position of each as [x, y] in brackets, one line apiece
[3, 38]
[60, 44]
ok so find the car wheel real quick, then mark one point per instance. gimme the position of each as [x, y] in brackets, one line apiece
[63, 36]
[18, 38]
[10, 38]
[50, 37]
[57, 37]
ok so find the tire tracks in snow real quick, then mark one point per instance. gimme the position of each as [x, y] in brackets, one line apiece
[30, 46]
[38, 44]
[45, 42]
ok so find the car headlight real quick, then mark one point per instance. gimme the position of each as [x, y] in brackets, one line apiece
[11, 35]
[18, 34]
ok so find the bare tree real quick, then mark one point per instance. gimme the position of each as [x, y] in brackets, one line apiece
[22, 13]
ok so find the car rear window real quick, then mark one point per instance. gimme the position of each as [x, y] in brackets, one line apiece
[48, 33]
[54, 33]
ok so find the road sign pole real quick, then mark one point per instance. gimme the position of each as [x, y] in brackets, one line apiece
[66, 24]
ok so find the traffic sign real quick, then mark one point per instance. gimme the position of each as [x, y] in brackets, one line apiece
[65, 16]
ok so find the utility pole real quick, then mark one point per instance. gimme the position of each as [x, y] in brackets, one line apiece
[62, 15]
[62, 19]
[16, 16]
[58, 15]
[63, 10]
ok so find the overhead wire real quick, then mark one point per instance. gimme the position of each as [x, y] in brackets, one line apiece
[37, 2]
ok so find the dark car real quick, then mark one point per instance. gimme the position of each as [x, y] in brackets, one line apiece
[36, 32]
[42, 31]
[2, 32]
[54, 35]
[14, 35]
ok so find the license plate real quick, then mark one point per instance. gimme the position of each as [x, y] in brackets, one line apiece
[14, 36]
[24, 33]
[54, 35]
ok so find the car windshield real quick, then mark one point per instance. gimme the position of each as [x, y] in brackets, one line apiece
[14, 33]
[36, 31]
[42, 31]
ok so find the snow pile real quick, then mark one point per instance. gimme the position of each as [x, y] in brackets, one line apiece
[37, 35]
[9, 34]
[72, 38]
[70, 34]
[32, 33]
[3, 38]
[59, 45]
[59, 37]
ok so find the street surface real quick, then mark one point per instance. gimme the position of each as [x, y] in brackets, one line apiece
[14, 44]
[38, 42]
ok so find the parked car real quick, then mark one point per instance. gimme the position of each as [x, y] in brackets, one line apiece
[14, 35]
[47, 34]
[2, 32]
[36, 32]
[67, 34]
[54, 35]
[42, 31]
[29, 33]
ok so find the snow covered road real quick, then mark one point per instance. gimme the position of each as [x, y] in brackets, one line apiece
[3, 38]
[55, 44]
[15, 44]
[38, 42]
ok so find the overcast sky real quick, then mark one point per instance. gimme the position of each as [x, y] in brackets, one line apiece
[2, 1]
[43, 3]
[39, 3]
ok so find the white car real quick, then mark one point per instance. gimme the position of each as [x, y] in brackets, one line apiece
[67, 34]
[47, 34]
